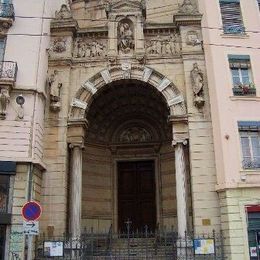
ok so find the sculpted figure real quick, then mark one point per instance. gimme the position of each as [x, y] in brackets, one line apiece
[158, 45]
[197, 82]
[55, 87]
[4, 100]
[126, 38]
[188, 7]
[64, 13]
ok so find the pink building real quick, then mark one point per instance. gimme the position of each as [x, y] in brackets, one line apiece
[231, 37]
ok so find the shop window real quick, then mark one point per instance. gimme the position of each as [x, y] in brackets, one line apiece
[253, 229]
[250, 144]
[241, 73]
[231, 16]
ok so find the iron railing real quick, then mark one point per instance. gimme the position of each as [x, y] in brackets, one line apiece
[7, 10]
[249, 163]
[240, 91]
[157, 245]
[8, 70]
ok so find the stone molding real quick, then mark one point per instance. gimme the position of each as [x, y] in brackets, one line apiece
[180, 131]
[136, 72]
[76, 133]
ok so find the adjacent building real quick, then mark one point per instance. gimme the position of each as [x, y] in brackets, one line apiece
[118, 112]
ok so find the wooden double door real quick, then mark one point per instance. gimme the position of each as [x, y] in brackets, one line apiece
[136, 195]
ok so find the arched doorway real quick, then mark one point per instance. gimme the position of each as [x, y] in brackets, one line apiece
[128, 163]
[128, 115]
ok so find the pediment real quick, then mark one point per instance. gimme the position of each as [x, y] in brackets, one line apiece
[126, 6]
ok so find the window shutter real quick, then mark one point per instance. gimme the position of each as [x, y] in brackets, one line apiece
[231, 16]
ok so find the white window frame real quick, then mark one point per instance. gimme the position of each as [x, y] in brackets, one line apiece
[252, 163]
[249, 71]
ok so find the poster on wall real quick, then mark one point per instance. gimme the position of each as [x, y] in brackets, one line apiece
[204, 246]
[53, 248]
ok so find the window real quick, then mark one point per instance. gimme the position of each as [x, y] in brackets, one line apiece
[4, 193]
[2, 48]
[253, 229]
[240, 68]
[250, 144]
[2, 241]
[231, 16]
[258, 3]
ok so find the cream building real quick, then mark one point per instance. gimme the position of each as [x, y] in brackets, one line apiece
[111, 114]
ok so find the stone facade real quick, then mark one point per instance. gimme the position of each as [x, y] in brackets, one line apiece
[121, 81]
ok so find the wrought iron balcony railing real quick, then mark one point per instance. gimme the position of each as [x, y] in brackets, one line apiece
[6, 10]
[234, 29]
[249, 163]
[244, 91]
[8, 70]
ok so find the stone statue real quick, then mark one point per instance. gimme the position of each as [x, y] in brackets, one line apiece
[135, 134]
[55, 87]
[64, 13]
[188, 7]
[126, 38]
[197, 82]
[4, 100]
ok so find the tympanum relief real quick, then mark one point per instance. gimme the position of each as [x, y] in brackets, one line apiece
[135, 134]
[88, 48]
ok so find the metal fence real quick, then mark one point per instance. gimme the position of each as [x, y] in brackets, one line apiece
[159, 244]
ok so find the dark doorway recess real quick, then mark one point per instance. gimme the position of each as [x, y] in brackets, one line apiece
[136, 195]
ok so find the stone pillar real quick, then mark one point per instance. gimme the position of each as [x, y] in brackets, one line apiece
[75, 189]
[180, 137]
[181, 188]
[76, 138]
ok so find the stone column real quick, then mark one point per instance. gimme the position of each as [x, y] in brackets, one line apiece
[75, 189]
[181, 188]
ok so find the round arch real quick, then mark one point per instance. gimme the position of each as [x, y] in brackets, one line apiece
[88, 89]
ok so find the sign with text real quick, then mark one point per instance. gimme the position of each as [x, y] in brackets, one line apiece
[204, 246]
[53, 248]
[31, 227]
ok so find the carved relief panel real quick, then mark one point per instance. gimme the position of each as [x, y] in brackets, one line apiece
[160, 42]
[90, 46]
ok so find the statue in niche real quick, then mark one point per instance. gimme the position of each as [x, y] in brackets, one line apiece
[126, 38]
[188, 7]
[55, 91]
[4, 100]
[64, 13]
[135, 134]
[197, 81]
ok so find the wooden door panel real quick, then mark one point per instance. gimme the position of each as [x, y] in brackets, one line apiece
[136, 194]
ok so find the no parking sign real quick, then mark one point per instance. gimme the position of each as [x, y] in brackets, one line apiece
[31, 211]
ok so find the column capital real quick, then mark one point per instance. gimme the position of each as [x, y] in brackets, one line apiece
[75, 144]
[76, 132]
[179, 139]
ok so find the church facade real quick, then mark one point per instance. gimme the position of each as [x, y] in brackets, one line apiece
[108, 120]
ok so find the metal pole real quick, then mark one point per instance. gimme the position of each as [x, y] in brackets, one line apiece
[30, 245]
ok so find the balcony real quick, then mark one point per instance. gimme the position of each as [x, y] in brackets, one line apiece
[8, 72]
[234, 29]
[244, 90]
[250, 164]
[6, 16]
